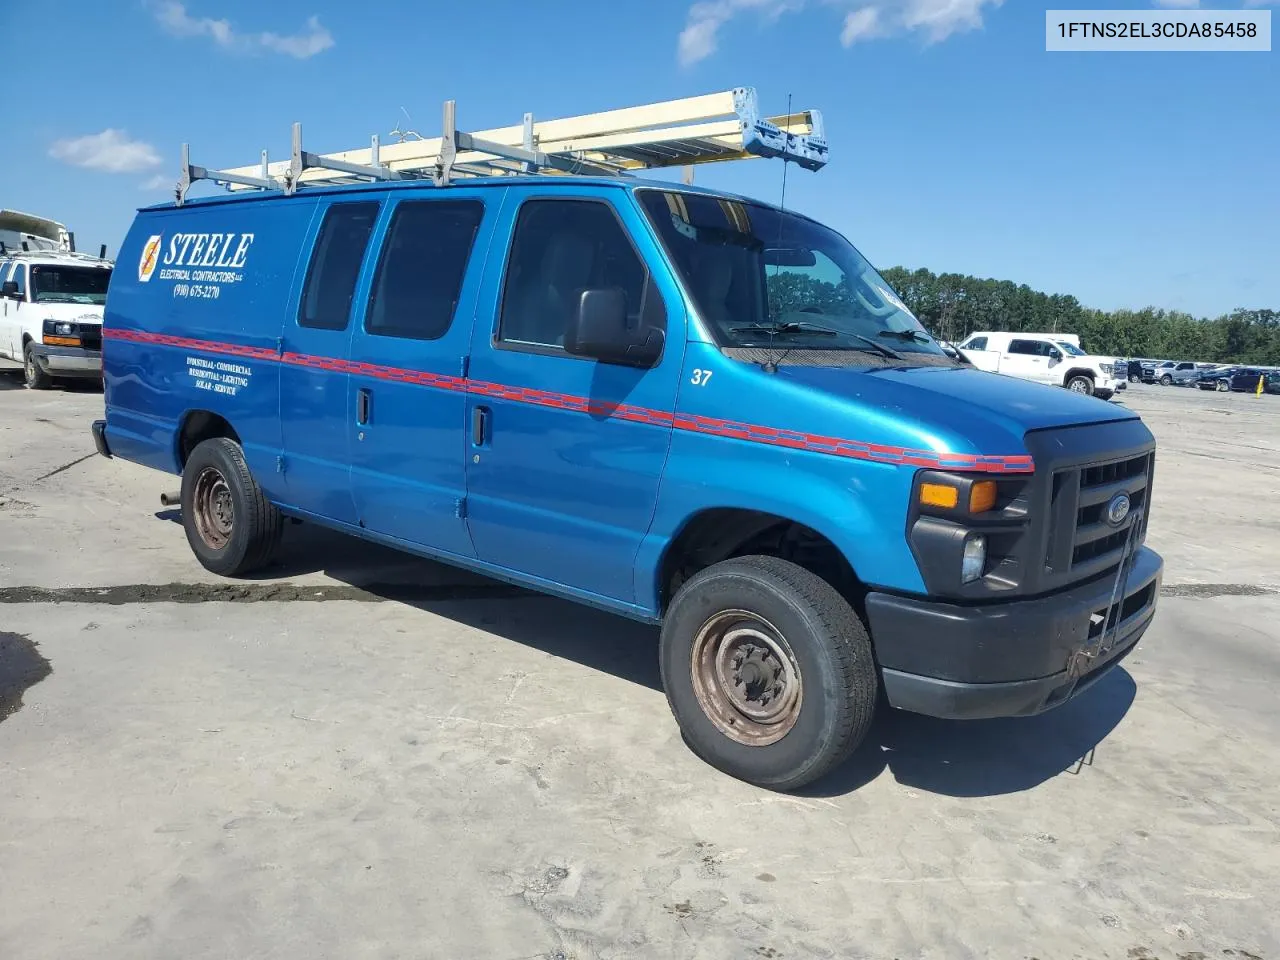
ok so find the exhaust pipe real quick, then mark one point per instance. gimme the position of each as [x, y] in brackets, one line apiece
[171, 499]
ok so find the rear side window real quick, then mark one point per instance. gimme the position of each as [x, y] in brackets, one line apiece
[424, 260]
[560, 248]
[1032, 348]
[335, 265]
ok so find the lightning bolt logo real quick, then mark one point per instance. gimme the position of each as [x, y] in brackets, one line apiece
[147, 264]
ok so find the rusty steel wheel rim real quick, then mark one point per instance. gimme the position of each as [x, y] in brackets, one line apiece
[214, 511]
[746, 678]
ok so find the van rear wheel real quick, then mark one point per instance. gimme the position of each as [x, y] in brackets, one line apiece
[231, 526]
[768, 671]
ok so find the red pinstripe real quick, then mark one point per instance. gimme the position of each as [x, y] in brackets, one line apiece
[691, 422]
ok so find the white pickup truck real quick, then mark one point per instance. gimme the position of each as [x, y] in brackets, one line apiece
[1045, 358]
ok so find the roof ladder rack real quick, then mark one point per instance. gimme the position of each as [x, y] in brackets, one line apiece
[675, 133]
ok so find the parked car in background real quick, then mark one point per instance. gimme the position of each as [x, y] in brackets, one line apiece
[1170, 372]
[1217, 379]
[1045, 358]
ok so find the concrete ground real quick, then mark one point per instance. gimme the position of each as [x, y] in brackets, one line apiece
[363, 755]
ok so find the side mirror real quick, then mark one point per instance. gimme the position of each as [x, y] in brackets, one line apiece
[598, 329]
[10, 289]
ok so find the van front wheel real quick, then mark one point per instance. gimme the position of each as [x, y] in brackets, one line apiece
[231, 526]
[768, 671]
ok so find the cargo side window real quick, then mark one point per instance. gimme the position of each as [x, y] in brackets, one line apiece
[335, 265]
[420, 272]
[560, 248]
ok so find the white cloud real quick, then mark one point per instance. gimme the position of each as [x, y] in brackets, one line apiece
[934, 20]
[861, 24]
[173, 16]
[160, 181]
[863, 19]
[700, 36]
[111, 151]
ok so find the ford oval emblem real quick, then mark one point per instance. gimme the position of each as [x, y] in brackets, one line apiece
[1118, 509]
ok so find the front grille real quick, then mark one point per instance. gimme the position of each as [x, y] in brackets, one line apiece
[1082, 541]
[91, 336]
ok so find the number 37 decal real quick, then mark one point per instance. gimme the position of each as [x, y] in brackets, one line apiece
[701, 377]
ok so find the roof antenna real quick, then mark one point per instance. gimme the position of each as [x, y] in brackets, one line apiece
[771, 364]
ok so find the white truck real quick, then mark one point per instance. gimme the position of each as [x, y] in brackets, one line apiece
[51, 313]
[1051, 358]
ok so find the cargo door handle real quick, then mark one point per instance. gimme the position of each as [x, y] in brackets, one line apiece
[364, 399]
[479, 425]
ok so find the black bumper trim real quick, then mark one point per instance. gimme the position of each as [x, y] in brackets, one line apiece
[951, 700]
[1007, 659]
[99, 430]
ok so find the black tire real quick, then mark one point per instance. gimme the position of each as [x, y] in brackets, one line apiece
[1079, 383]
[830, 655]
[1134, 378]
[1223, 387]
[231, 526]
[1166, 381]
[34, 377]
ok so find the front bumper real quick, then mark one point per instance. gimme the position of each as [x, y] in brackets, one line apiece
[1009, 659]
[68, 361]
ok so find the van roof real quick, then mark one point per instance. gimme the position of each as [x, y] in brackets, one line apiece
[544, 182]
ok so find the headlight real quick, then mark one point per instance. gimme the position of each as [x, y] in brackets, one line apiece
[61, 333]
[974, 560]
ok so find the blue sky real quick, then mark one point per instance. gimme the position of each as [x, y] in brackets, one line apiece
[957, 142]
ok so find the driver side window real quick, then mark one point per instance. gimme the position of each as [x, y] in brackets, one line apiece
[561, 248]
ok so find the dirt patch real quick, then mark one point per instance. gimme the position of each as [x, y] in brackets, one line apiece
[21, 667]
[1207, 591]
[261, 593]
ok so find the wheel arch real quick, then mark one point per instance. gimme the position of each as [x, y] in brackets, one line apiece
[714, 534]
[1078, 372]
[195, 427]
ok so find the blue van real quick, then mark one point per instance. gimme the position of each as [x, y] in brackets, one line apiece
[686, 407]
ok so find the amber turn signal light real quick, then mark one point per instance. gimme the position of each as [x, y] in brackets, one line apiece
[938, 495]
[982, 496]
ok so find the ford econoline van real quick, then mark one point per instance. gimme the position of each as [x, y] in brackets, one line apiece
[686, 407]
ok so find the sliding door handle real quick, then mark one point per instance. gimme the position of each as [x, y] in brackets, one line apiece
[479, 425]
[364, 400]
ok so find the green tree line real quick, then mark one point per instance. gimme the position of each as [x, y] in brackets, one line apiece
[953, 305]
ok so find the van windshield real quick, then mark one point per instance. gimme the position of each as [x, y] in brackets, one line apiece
[760, 276]
[62, 284]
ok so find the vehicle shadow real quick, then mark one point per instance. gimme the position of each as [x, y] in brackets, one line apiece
[953, 758]
[983, 758]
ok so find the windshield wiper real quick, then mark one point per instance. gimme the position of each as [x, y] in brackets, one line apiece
[817, 329]
[910, 336]
[792, 326]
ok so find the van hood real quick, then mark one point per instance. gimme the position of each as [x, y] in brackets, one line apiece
[75, 312]
[969, 403]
